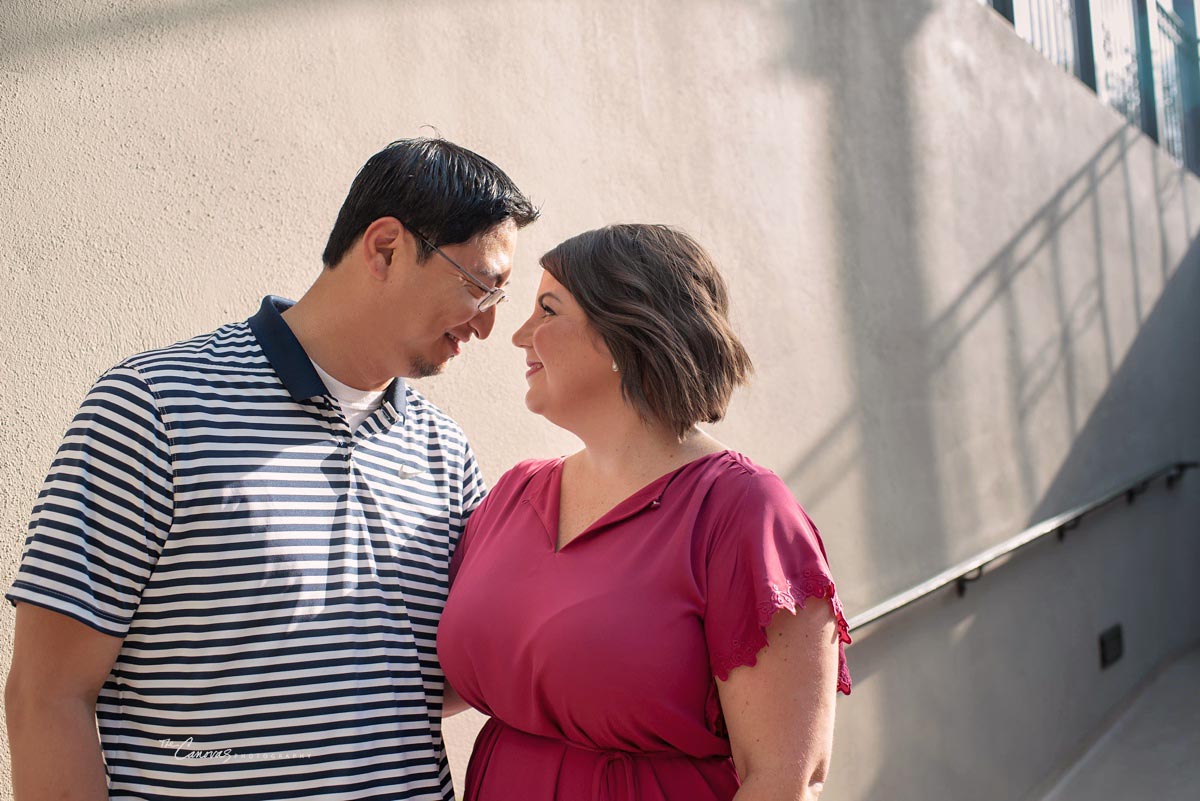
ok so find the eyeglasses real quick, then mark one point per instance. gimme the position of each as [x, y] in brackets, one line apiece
[492, 294]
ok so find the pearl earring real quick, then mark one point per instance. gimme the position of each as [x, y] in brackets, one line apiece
[614, 365]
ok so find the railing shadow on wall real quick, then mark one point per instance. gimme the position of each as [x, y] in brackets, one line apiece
[994, 285]
[1170, 188]
[992, 290]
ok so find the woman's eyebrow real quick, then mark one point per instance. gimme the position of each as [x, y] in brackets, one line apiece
[550, 295]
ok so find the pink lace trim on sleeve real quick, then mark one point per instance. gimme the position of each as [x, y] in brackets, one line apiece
[814, 584]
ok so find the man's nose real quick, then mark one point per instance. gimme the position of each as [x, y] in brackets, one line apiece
[482, 323]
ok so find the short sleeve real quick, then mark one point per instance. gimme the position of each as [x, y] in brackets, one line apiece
[765, 555]
[461, 547]
[104, 510]
[474, 487]
[473, 493]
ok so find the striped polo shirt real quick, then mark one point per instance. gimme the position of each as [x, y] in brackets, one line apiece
[276, 577]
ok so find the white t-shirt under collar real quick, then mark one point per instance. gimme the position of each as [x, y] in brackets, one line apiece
[357, 404]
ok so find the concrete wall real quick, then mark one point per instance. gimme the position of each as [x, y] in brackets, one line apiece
[970, 289]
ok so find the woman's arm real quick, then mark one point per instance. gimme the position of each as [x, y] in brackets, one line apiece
[779, 712]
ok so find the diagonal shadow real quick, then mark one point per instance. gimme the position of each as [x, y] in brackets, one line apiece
[1032, 370]
[883, 288]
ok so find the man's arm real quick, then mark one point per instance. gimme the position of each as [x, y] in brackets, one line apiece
[58, 668]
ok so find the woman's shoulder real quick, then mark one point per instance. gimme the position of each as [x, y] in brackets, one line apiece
[517, 479]
[527, 468]
[736, 478]
[526, 480]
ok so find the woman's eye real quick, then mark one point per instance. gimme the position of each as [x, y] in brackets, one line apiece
[549, 311]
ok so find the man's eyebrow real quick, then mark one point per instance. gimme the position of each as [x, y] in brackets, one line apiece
[491, 276]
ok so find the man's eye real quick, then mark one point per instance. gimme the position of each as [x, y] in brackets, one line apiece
[474, 290]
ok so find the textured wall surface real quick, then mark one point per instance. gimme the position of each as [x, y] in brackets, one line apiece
[970, 289]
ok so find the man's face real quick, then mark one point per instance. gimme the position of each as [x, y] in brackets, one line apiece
[431, 310]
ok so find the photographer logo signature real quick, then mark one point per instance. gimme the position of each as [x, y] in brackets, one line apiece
[186, 752]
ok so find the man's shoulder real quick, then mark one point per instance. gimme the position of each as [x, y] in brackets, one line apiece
[229, 347]
[228, 357]
[427, 414]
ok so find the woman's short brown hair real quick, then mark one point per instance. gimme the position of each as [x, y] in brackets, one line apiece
[661, 307]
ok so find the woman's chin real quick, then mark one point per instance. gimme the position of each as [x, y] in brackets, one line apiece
[536, 403]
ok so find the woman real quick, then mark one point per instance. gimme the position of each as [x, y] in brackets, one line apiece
[610, 610]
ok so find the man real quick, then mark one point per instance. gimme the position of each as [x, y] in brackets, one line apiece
[237, 563]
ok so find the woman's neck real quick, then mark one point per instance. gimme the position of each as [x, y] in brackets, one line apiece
[639, 451]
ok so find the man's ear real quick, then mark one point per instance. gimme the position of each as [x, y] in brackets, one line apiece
[381, 242]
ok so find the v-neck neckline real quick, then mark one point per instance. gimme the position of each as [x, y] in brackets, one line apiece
[648, 496]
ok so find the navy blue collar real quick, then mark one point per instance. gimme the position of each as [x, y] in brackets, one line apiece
[291, 363]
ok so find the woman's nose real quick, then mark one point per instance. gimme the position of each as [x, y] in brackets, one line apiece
[520, 337]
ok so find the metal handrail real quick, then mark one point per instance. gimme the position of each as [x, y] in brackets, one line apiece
[972, 569]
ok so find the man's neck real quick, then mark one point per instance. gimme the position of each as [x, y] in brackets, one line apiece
[331, 339]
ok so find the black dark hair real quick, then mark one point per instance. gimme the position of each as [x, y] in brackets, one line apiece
[662, 308]
[441, 190]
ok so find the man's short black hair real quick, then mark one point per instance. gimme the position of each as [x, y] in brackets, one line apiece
[438, 189]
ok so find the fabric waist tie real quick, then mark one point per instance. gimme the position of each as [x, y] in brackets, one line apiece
[504, 756]
[613, 769]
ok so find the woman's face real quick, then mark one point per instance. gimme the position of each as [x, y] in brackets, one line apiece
[569, 367]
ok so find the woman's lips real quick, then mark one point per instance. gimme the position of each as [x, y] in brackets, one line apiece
[533, 368]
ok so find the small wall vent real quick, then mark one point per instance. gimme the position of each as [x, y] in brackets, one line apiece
[1111, 646]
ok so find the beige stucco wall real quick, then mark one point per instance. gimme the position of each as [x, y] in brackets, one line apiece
[969, 289]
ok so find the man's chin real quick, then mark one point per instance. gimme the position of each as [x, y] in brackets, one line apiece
[423, 368]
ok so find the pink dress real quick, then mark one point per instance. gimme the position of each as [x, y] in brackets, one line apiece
[596, 663]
